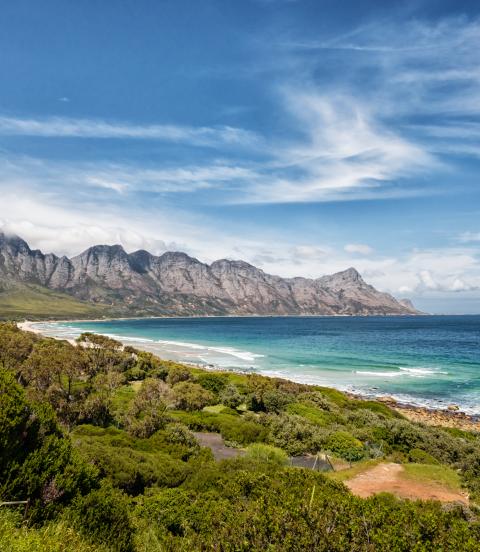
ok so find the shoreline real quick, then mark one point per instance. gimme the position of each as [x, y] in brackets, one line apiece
[450, 418]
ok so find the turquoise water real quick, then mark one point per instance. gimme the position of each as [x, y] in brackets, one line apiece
[427, 360]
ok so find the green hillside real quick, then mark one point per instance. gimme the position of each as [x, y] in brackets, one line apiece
[36, 302]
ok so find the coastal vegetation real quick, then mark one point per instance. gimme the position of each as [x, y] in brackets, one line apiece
[100, 439]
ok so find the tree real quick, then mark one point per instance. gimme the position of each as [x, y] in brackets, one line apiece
[15, 345]
[36, 460]
[191, 396]
[177, 374]
[147, 412]
[101, 350]
[231, 397]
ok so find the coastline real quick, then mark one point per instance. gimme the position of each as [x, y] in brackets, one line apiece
[450, 418]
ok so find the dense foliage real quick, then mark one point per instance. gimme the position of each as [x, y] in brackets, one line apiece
[99, 438]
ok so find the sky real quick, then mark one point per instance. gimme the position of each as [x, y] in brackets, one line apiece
[303, 136]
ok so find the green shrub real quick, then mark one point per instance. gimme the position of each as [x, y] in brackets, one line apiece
[333, 395]
[294, 434]
[192, 396]
[275, 401]
[135, 374]
[180, 434]
[310, 413]
[16, 536]
[176, 374]
[421, 457]
[232, 428]
[260, 452]
[376, 407]
[102, 517]
[231, 397]
[214, 383]
[147, 412]
[345, 445]
[316, 399]
[36, 459]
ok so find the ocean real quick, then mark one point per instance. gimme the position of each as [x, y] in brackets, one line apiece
[429, 361]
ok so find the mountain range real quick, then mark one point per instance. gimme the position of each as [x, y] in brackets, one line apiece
[174, 283]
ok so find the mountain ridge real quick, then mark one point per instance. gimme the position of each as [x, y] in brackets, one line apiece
[175, 283]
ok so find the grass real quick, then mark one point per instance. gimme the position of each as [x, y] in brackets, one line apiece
[36, 302]
[428, 473]
[53, 537]
[337, 397]
[123, 396]
[216, 409]
[311, 413]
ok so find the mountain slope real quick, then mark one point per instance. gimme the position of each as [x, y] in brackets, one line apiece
[37, 302]
[176, 284]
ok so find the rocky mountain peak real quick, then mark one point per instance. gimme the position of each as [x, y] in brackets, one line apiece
[175, 283]
[350, 274]
[108, 251]
[13, 241]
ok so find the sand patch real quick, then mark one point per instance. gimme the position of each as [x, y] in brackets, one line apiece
[389, 477]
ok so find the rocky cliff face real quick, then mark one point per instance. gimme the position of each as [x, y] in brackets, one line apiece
[174, 283]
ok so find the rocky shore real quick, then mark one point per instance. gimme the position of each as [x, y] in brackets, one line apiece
[445, 418]
[451, 417]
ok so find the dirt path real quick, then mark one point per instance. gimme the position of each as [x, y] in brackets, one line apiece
[214, 441]
[388, 478]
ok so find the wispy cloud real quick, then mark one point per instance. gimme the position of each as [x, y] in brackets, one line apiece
[360, 248]
[94, 128]
[411, 69]
[468, 237]
[76, 178]
[346, 153]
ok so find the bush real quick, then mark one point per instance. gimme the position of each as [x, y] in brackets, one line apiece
[15, 536]
[36, 459]
[215, 383]
[135, 374]
[345, 445]
[294, 434]
[232, 428]
[231, 397]
[317, 399]
[310, 413]
[376, 407]
[191, 396]
[180, 434]
[176, 374]
[267, 454]
[147, 411]
[421, 457]
[275, 401]
[102, 516]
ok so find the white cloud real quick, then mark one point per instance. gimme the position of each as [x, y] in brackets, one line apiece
[470, 237]
[360, 248]
[48, 223]
[347, 153]
[72, 177]
[412, 69]
[427, 279]
[96, 128]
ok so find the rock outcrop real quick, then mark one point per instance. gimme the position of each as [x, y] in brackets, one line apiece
[176, 284]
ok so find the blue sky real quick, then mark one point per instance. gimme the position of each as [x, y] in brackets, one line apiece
[304, 136]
